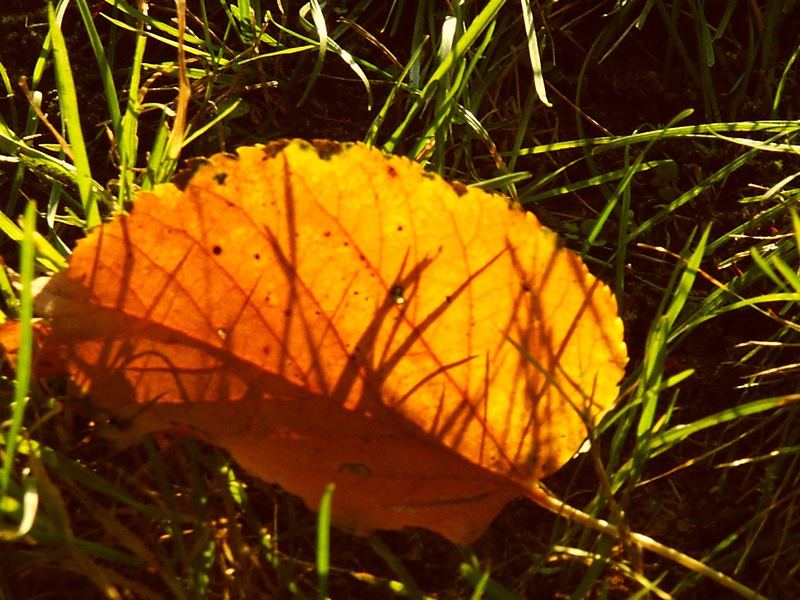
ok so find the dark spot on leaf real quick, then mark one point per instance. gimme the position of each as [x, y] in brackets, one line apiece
[391, 172]
[327, 234]
[326, 149]
[257, 256]
[274, 147]
[459, 188]
[182, 177]
[359, 469]
[217, 250]
[399, 228]
[220, 178]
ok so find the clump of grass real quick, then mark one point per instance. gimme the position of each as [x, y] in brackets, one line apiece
[688, 206]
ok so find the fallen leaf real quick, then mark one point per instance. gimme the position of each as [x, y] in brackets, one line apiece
[48, 362]
[326, 313]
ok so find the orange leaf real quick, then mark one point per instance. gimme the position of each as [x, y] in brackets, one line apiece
[47, 362]
[329, 314]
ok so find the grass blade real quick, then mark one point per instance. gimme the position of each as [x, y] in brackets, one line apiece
[70, 115]
[324, 540]
[533, 53]
[25, 351]
[106, 75]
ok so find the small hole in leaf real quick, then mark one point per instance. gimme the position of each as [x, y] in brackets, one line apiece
[397, 295]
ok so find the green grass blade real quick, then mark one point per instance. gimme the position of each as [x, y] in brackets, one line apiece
[596, 180]
[9, 94]
[128, 143]
[106, 75]
[787, 70]
[691, 194]
[151, 24]
[706, 60]
[225, 109]
[663, 441]
[47, 256]
[767, 269]
[789, 275]
[796, 228]
[321, 29]
[9, 297]
[700, 131]
[533, 52]
[70, 115]
[687, 279]
[25, 350]
[624, 184]
[453, 60]
[158, 154]
[651, 386]
[324, 540]
[374, 128]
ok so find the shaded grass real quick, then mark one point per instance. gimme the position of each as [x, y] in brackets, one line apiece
[694, 224]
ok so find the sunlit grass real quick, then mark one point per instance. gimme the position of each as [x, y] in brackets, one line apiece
[693, 220]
